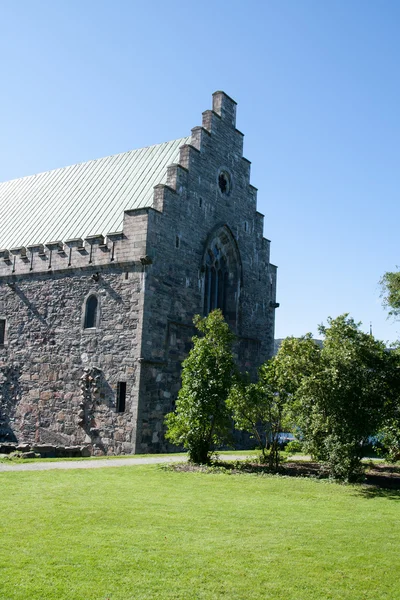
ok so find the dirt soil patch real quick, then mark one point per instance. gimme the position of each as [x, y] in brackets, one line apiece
[376, 474]
[383, 475]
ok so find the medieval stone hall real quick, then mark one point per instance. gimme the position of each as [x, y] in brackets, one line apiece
[103, 266]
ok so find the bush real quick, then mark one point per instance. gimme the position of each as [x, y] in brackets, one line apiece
[294, 446]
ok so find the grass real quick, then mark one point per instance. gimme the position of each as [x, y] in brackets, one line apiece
[143, 532]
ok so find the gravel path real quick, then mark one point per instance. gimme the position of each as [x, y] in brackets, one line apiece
[98, 464]
[89, 464]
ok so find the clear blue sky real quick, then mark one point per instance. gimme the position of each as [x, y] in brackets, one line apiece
[318, 92]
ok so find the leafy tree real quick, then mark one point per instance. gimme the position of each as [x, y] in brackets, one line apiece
[258, 410]
[390, 284]
[262, 408]
[389, 438]
[344, 398]
[201, 420]
[389, 435]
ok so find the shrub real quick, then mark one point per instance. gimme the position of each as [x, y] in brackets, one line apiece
[294, 446]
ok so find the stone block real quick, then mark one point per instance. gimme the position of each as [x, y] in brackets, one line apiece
[23, 448]
[30, 455]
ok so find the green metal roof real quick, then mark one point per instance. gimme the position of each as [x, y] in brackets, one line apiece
[84, 199]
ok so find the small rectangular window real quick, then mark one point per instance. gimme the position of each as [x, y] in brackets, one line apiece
[121, 396]
[2, 331]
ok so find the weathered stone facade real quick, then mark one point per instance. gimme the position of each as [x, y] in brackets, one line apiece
[199, 245]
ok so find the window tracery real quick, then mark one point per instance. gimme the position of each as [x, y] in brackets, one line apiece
[216, 281]
[222, 275]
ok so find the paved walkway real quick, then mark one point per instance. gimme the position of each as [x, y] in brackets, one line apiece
[89, 464]
[98, 464]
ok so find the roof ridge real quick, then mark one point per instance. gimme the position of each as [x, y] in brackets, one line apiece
[92, 160]
[76, 200]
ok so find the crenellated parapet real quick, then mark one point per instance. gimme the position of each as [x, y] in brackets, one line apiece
[98, 250]
[51, 256]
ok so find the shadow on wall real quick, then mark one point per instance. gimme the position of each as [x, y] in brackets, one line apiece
[29, 304]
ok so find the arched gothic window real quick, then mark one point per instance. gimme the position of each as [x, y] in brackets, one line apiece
[216, 282]
[221, 267]
[92, 306]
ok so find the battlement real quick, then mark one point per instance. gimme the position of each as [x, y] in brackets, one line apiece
[126, 246]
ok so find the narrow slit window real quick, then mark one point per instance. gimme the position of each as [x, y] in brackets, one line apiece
[91, 312]
[2, 331]
[121, 396]
[177, 241]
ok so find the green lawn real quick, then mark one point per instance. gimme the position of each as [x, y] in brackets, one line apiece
[144, 532]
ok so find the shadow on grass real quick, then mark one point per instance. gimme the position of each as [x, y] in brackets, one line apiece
[248, 467]
[380, 481]
[371, 491]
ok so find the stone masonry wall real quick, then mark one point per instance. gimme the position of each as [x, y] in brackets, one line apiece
[58, 380]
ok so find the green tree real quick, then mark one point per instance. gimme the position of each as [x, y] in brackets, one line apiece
[390, 284]
[264, 408]
[259, 408]
[256, 410]
[201, 421]
[389, 436]
[344, 399]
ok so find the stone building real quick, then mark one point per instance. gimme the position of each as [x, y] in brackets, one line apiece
[103, 266]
